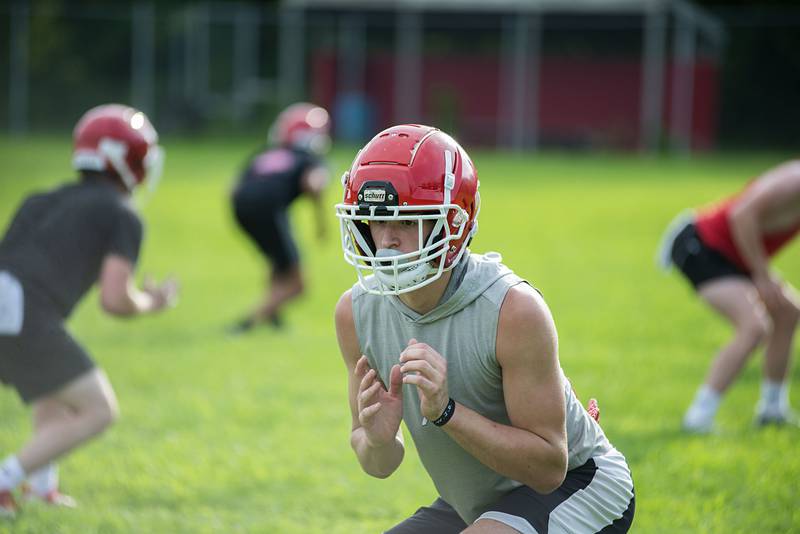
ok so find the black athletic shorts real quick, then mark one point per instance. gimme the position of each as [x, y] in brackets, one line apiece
[267, 224]
[699, 262]
[43, 357]
[588, 501]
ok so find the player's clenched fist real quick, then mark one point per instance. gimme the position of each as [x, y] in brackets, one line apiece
[426, 369]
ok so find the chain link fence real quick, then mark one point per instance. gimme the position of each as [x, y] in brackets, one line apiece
[557, 79]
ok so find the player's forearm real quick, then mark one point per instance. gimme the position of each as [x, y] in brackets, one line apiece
[380, 461]
[513, 452]
[747, 236]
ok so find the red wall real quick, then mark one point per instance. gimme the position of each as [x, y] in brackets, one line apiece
[591, 103]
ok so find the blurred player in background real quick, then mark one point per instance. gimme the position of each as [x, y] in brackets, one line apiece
[59, 243]
[292, 165]
[724, 251]
[465, 353]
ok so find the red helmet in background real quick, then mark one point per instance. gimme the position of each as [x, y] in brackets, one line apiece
[409, 172]
[302, 125]
[119, 140]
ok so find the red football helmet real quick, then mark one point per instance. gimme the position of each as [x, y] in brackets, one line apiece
[302, 125]
[409, 172]
[120, 140]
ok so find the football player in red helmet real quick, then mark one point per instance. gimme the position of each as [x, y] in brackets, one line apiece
[290, 166]
[464, 352]
[59, 243]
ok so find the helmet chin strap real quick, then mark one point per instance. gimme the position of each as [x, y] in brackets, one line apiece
[399, 277]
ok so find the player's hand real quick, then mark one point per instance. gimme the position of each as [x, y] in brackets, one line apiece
[426, 369]
[379, 410]
[594, 409]
[164, 295]
[770, 289]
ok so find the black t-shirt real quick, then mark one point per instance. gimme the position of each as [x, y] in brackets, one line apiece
[57, 240]
[276, 174]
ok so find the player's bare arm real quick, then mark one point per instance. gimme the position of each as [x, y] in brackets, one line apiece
[376, 411]
[119, 295]
[533, 450]
[313, 183]
[315, 180]
[771, 204]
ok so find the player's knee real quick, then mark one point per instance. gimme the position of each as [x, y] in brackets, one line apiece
[294, 286]
[755, 330]
[794, 314]
[785, 314]
[790, 313]
[105, 413]
[299, 287]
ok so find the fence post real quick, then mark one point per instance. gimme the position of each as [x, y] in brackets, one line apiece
[19, 38]
[652, 97]
[408, 67]
[521, 87]
[291, 67]
[245, 58]
[683, 80]
[143, 57]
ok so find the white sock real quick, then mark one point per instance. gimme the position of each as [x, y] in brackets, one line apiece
[774, 397]
[44, 480]
[11, 473]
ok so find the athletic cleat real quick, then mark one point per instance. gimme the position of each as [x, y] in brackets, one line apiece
[8, 506]
[51, 498]
[788, 418]
[240, 327]
[249, 323]
[276, 321]
[698, 422]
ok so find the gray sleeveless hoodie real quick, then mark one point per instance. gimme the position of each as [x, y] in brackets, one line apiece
[463, 329]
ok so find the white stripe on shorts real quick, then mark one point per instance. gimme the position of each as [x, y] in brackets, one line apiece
[12, 303]
[513, 521]
[675, 227]
[600, 503]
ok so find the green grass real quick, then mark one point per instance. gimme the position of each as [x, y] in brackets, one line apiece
[251, 434]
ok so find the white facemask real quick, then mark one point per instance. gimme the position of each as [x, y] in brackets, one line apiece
[393, 276]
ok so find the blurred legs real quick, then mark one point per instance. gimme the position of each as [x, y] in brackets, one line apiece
[737, 300]
[68, 417]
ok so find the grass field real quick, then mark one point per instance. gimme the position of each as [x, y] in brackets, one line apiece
[250, 434]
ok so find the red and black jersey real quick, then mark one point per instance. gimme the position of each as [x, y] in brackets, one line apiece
[714, 228]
